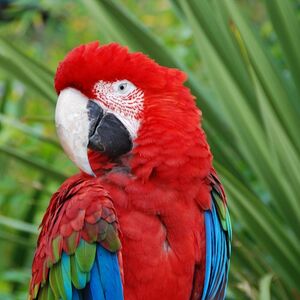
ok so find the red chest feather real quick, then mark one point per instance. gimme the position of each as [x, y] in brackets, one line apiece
[162, 240]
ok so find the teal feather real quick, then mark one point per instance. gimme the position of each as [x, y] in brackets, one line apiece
[66, 275]
[79, 278]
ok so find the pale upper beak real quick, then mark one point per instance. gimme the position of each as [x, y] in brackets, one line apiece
[72, 126]
[82, 123]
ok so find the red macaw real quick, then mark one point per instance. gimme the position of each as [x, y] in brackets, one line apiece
[146, 218]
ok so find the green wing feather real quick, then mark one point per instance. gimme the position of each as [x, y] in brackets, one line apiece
[85, 255]
[78, 277]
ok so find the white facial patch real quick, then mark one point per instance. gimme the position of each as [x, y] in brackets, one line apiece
[124, 100]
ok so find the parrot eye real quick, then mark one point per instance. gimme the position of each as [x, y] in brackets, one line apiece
[124, 87]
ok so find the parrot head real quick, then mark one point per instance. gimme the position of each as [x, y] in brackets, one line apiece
[106, 95]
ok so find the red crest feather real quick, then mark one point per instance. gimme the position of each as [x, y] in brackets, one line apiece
[87, 64]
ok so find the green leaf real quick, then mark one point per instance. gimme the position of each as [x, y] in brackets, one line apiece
[24, 61]
[33, 162]
[286, 23]
[265, 287]
[273, 83]
[18, 225]
[32, 80]
[266, 230]
[11, 122]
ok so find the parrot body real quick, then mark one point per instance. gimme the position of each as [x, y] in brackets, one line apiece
[151, 222]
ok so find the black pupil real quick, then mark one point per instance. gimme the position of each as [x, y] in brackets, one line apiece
[122, 87]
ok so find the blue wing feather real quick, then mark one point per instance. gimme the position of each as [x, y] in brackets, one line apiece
[105, 282]
[96, 286]
[110, 274]
[217, 254]
[76, 294]
[221, 253]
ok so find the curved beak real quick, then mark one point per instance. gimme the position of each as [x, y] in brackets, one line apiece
[82, 123]
[72, 126]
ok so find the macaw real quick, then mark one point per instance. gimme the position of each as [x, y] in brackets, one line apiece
[146, 217]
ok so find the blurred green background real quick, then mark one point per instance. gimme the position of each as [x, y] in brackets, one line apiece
[243, 62]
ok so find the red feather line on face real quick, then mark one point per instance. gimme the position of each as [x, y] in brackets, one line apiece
[130, 105]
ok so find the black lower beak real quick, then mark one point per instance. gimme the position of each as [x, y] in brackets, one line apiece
[107, 133]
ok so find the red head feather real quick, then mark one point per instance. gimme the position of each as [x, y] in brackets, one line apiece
[87, 64]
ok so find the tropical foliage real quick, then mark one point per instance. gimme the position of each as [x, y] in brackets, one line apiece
[243, 63]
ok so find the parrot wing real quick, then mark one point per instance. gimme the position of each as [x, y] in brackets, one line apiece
[78, 255]
[218, 243]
